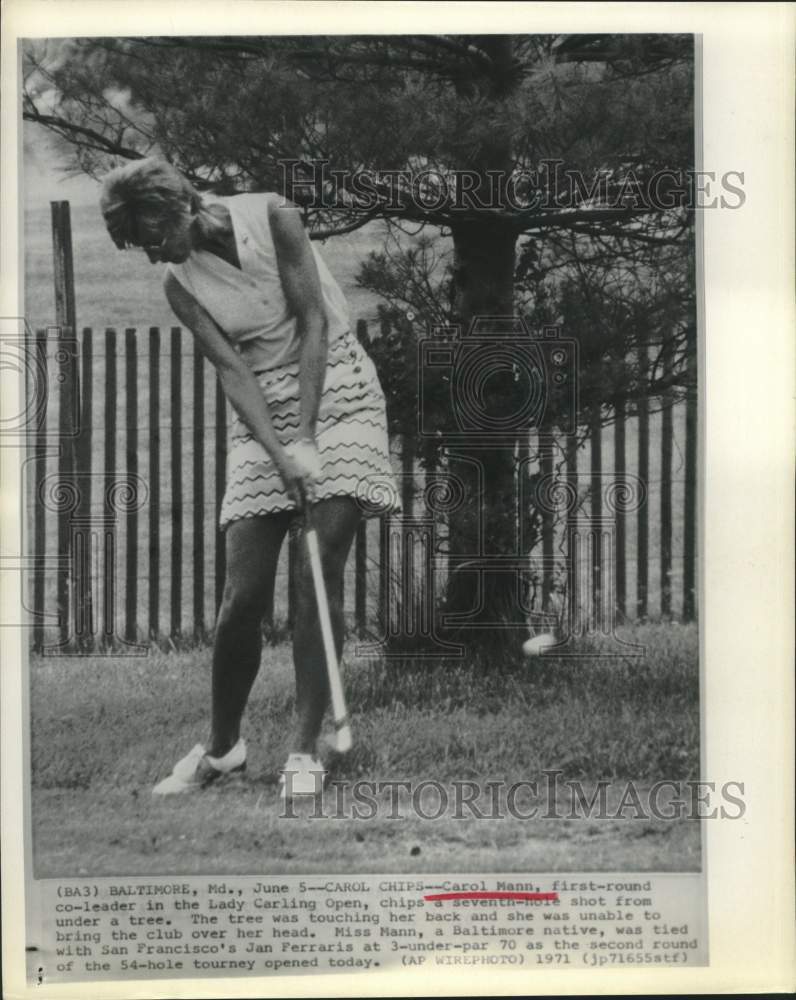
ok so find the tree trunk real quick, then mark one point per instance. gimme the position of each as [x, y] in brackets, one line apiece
[482, 601]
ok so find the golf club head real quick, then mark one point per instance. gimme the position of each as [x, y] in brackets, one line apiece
[343, 741]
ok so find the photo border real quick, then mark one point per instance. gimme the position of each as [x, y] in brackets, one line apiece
[746, 587]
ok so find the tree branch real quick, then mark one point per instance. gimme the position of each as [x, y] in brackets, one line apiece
[77, 132]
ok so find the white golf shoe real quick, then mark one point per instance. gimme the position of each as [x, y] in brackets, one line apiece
[302, 774]
[197, 770]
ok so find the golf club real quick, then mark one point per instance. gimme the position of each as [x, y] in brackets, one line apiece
[342, 727]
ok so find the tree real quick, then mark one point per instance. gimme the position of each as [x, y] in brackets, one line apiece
[620, 301]
[497, 140]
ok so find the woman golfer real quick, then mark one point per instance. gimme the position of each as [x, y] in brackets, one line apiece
[310, 427]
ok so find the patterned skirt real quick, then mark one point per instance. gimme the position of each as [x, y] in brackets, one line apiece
[351, 435]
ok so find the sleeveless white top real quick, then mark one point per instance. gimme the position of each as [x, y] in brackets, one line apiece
[248, 303]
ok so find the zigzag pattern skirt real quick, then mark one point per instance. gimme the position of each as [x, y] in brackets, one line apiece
[351, 434]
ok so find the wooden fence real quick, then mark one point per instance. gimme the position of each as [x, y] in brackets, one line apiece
[127, 473]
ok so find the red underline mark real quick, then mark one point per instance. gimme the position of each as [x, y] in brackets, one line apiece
[440, 897]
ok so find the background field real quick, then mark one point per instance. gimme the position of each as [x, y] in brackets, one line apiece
[96, 756]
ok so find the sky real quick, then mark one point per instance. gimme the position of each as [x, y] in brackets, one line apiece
[44, 178]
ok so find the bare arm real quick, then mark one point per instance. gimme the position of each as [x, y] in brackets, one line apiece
[237, 380]
[302, 287]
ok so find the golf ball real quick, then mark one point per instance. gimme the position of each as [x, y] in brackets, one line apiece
[537, 644]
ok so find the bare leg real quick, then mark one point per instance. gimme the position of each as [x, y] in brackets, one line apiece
[252, 547]
[336, 520]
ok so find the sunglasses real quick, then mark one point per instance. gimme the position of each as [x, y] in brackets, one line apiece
[148, 236]
[153, 247]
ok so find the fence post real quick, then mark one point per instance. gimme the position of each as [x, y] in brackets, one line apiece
[360, 577]
[620, 468]
[642, 517]
[689, 533]
[198, 491]
[131, 418]
[667, 433]
[361, 544]
[66, 472]
[39, 521]
[596, 513]
[84, 600]
[63, 265]
[69, 395]
[154, 481]
[108, 566]
[546, 472]
[176, 479]
[573, 574]
[383, 610]
[408, 446]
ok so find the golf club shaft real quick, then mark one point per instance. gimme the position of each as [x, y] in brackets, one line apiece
[332, 666]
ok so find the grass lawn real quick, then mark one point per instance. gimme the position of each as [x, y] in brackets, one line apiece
[105, 729]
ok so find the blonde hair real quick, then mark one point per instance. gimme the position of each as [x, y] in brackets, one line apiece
[151, 186]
